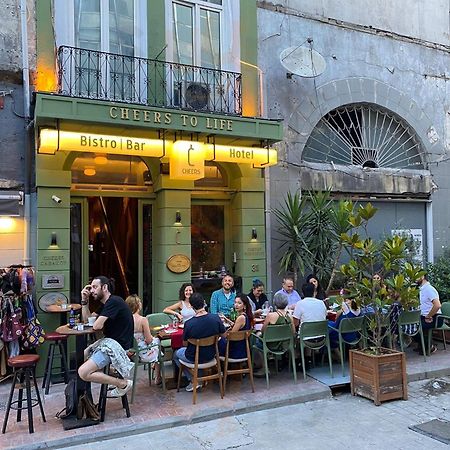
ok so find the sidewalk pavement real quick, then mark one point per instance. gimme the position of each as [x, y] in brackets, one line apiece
[153, 410]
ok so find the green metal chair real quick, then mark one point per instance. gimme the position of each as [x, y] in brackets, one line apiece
[444, 320]
[133, 354]
[157, 320]
[319, 331]
[350, 325]
[410, 318]
[277, 340]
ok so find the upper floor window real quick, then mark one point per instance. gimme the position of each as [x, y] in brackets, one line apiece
[204, 33]
[196, 33]
[114, 26]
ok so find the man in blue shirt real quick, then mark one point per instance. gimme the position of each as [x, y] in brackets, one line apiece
[222, 300]
[288, 290]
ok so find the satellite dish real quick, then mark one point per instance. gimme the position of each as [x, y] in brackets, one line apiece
[303, 61]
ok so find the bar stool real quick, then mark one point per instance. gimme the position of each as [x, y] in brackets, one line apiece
[55, 340]
[24, 369]
[104, 396]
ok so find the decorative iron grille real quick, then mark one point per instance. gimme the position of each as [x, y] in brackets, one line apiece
[364, 135]
[107, 76]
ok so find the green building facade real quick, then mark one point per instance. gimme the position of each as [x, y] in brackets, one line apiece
[149, 169]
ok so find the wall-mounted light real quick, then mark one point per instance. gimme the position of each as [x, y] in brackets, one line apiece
[178, 218]
[254, 234]
[7, 224]
[54, 240]
[89, 171]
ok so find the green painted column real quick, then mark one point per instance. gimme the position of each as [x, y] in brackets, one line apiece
[53, 220]
[248, 214]
[170, 239]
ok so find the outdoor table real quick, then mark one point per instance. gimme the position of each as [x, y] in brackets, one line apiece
[175, 336]
[82, 386]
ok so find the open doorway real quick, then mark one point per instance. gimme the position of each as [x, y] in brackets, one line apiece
[118, 234]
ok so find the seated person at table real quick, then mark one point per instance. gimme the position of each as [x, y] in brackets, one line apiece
[257, 297]
[288, 290]
[349, 309]
[319, 293]
[309, 309]
[243, 322]
[147, 344]
[279, 317]
[182, 309]
[222, 300]
[115, 319]
[202, 325]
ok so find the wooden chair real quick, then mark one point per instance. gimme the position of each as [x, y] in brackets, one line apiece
[238, 336]
[194, 367]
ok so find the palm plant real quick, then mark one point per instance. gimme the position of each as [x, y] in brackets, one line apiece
[291, 219]
[310, 227]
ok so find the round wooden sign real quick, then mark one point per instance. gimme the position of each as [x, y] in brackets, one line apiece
[178, 263]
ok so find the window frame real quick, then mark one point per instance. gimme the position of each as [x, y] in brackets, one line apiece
[229, 22]
[65, 25]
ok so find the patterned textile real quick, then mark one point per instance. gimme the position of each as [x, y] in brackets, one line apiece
[119, 357]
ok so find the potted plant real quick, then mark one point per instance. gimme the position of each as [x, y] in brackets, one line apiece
[377, 372]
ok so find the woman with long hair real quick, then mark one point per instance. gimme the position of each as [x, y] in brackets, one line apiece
[182, 309]
[257, 297]
[243, 322]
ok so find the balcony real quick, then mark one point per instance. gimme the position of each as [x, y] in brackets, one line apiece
[118, 78]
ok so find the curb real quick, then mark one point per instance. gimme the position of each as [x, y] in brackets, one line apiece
[170, 422]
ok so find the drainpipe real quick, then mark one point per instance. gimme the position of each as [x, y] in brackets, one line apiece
[429, 221]
[26, 109]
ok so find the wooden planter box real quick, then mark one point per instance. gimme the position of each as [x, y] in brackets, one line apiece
[378, 377]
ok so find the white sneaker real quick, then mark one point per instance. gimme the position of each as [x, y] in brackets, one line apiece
[119, 392]
[190, 388]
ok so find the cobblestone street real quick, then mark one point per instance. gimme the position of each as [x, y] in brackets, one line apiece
[340, 422]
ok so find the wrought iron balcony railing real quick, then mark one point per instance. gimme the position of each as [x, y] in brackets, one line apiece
[119, 78]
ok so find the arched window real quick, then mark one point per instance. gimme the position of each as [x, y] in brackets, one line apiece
[364, 135]
[110, 172]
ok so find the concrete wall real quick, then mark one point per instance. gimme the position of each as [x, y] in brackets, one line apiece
[407, 77]
[427, 20]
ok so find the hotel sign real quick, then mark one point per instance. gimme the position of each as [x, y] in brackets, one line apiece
[186, 158]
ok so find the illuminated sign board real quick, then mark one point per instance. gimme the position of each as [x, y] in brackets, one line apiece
[186, 158]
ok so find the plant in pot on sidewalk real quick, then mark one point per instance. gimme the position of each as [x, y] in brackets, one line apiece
[376, 372]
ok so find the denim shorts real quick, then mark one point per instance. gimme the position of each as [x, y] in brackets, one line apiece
[101, 359]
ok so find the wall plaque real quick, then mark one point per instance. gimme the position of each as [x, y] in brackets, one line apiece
[178, 263]
[53, 281]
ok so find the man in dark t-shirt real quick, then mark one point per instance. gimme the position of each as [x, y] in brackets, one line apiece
[202, 325]
[115, 319]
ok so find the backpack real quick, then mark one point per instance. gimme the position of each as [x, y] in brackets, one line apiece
[71, 400]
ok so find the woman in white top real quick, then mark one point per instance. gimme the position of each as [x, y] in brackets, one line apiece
[182, 309]
[147, 344]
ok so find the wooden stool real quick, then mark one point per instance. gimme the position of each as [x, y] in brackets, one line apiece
[24, 369]
[104, 396]
[55, 340]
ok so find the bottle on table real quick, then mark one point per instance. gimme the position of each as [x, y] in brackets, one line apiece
[72, 320]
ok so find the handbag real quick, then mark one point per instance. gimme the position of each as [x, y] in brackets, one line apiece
[86, 407]
[12, 329]
[34, 334]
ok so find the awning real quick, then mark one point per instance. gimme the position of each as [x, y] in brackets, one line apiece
[10, 203]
